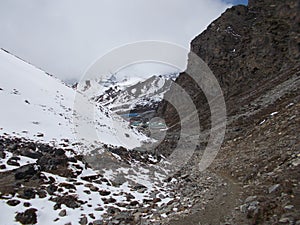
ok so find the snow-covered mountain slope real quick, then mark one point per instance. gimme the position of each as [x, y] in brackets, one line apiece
[56, 183]
[130, 94]
[37, 106]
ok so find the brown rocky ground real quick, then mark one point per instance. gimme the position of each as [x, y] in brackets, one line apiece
[265, 160]
[259, 162]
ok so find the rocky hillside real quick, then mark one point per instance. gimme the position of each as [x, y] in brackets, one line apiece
[250, 50]
[254, 52]
[40, 184]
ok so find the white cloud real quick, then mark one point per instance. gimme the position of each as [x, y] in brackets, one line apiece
[64, 36]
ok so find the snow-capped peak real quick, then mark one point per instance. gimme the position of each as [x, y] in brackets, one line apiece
[129, 93]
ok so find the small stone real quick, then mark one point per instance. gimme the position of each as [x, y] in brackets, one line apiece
[59, 152]
[2, 167]
[13, 161]
[243, 208]
[62, 213]
[2, 154]
[40, 135]
[133, 203]
[83, 220]
[57, 206]
[113, 211]
[161, 196]
[26, 171]
[42, 193]
[51, 189]
[284, 220]
[250, 199]
[93, 188]
[296, 162]
[99, 209]
[140, 188]
[70, 201]
[122, 204]
[27, 217]
[26, 204]
[104, 192]
[288, 207]
[156, 200]
[13, 202]
[28, 193]
[67, 186]
[273, 188]
[118, 180]
[186, 176]
[87, 192]
[109, 200]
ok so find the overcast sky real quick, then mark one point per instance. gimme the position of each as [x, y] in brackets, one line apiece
[63, 37]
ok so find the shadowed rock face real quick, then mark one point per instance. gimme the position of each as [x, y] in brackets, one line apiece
[254, 52]
[250, 49]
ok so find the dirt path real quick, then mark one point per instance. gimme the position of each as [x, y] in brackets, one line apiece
[217, 209]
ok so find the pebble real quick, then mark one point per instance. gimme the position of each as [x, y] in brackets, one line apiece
[250, 199]
[62, 213]
[273, 188]
[288, 207]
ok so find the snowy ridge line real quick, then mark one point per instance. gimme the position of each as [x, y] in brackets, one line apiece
[36, 67]
[133, 93]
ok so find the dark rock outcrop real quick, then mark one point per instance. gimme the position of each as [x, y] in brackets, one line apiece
[27, 217]
[250, 49]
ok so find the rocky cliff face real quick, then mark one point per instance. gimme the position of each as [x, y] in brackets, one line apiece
[250, 49]
[254, 52]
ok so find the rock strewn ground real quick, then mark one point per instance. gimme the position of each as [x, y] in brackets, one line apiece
[34, 175]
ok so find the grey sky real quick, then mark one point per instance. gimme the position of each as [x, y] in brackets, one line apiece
[64, 37]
